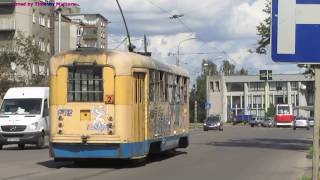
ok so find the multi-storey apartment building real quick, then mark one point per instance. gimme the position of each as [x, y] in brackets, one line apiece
[233, 95]
[93, 29]
[36, 22]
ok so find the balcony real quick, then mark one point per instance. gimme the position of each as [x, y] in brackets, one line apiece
[90, 36]
[7, 24]
[7, 2]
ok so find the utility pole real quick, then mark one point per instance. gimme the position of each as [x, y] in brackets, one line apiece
[196, 106]
[59, 31]
[315, 159]
[145, 44]
[58, 11]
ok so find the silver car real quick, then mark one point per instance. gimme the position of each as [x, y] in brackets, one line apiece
[301, 122]
[311, 121]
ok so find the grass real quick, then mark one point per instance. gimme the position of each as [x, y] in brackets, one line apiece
[195, 125]
[306, 178]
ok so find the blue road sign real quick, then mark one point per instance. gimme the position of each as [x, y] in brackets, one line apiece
[295, 33]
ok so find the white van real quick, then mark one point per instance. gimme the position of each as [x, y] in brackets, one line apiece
[24, 116]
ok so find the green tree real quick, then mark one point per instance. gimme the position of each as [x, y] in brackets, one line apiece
[227, 68]
[271, 111]
[242, 71]
[28, 58]
[263, 30]
[209, 68]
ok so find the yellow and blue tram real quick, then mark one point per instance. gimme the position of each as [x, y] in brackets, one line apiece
[111, 104]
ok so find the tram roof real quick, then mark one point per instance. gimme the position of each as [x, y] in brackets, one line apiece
[122, 67]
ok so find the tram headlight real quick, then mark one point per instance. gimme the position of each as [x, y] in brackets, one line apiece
[110, 128]
[60, 125]
[60, 118]
[60, 131]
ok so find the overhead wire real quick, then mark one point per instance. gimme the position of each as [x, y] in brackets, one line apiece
[169, 13]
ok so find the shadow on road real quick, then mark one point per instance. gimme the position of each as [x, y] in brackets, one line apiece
[26, 148]
[280, 144]
[110, 163]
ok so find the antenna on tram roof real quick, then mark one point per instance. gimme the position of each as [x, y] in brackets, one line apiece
[130, 46]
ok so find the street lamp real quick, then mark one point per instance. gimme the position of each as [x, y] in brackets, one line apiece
[178, 54]
[58, 11]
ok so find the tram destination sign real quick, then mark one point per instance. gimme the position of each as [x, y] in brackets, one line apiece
[296, 31]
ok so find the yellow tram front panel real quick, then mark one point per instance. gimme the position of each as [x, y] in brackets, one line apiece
[78, 122]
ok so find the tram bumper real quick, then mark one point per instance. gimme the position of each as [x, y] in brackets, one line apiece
[97, 151]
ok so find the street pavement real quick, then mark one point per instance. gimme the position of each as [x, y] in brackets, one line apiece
[237, 153]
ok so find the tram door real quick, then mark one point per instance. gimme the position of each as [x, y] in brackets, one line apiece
[139, 106]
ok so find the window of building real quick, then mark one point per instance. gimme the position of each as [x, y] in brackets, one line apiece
[48, 22]
[85, 84]
[79, 32]
[272, 86]
[211, 86]
[42, 20]
[217, 86]
[256, 86]
[48, 47]
[233, 87]
[41, 44]
[33, 16]
[294, 86]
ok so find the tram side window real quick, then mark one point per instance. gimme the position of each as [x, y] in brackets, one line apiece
[157, 89]
[172, 89]
[181, 85]
[151, 86]
[177, 89]
[162, 87]
[166, 82]
[185, 90]
[85, 84]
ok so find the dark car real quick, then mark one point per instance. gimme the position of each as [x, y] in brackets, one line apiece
[213, 123]
[255, 121]
[241, 119]
[268, 122]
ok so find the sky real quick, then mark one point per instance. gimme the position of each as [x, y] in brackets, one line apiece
[209, 29]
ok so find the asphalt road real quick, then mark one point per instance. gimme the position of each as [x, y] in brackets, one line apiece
[237, 153]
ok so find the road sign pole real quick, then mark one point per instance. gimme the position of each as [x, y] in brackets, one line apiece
[195, 112]
[315, 160]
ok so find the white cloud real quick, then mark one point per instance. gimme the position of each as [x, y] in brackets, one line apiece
[220, 26]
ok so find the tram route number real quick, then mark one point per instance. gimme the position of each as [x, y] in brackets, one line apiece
[109, 99]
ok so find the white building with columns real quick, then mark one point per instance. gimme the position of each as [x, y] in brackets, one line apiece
[245, 94]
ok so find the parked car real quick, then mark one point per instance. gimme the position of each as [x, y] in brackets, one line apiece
[311, 121]
[268, 122]
[255, 121]
[301, 122]
[213, 123]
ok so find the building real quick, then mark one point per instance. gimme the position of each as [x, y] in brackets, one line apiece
[69, 38]
[93, 29]
[36, 22]
[234, 95]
